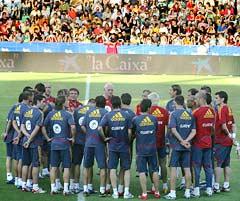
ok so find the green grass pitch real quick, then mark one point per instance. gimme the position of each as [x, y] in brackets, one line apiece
[12, 83]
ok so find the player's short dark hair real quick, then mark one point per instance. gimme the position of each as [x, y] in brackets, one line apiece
[26, 95]
[74, 89]
[20, 98]
[116, 102]
[145, 105]
[62, 92]
[208, 98]
[177, 88]
[27, 88]
[40, 88]
[206, 88]
[92, 100]
[146, 90]
[100, 101]
[179, 100]
[60, 101]
[223, 94]
[37, 98]
[193, 91]
[126, 99]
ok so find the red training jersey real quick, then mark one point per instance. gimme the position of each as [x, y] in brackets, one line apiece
[162, 117]
[205, 119]
[108, 105]
[73, 104]
[138, 109]
[224, 116]
[50, 99]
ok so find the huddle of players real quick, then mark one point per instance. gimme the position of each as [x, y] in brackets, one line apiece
[199, 135]
[94, 132]
[35, 122]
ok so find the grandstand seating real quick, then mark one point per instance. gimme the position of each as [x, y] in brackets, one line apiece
[191, 22]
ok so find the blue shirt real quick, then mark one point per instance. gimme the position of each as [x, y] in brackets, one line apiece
[32, 118]
[19, 111]
[130, 112]
[10, 133]
[49, 109]
[78, 115]
[170, 107]
[184, 122]
[146, 127]
[91, 122]
[118, 122]
[59, 122]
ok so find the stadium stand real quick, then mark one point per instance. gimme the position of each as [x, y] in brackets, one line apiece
[192, 22]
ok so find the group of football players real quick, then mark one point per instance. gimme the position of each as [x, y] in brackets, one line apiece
[47, 136]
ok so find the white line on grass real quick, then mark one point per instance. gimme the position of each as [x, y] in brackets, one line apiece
[81, 197]
[87, 92]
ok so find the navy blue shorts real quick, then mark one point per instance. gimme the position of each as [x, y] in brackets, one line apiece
[147, 162]
[45, 147]
[180, 159]
[61, 156]
[222, 155]
[125, 160]
[30, 156]
[162, 152]
[17, 152]
[201, 157]
[97, 152]
[77, 154]
[9, 150]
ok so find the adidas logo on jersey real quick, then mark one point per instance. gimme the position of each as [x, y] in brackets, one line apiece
[57, 116]
[146, 122]
[157, 113]
[208, 114]
[95, 113]
[118, 117]
[17, 109]
[185, 116]
[29, 114]
[83, 110]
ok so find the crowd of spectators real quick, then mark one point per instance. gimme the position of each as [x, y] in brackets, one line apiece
[187, 22]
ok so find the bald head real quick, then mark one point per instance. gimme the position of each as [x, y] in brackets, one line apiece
[154, 97]
[201, 98]
[108, 90]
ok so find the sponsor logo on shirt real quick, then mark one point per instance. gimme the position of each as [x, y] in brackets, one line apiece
[83, 110]
[146, 132]
[208, 114]
[205, 125]
[117, 128]
[146, 122]
[57, 116]
[17, 109]
[29, 114]
[185, 125]
[185, 116]
[118, 117]
[157, 113]
[95, 113]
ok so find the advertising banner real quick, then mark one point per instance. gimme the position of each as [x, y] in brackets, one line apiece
[120, 63]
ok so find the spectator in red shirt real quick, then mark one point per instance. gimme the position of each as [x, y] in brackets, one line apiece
[225, 131]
